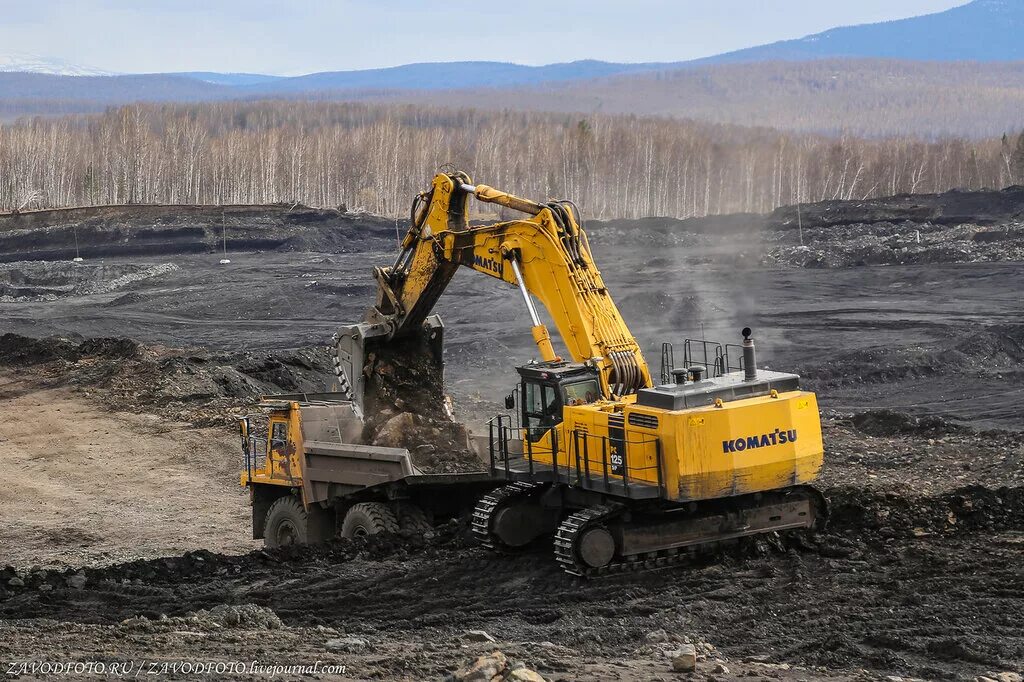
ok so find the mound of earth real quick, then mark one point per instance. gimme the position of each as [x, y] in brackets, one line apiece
[966, 510]
[48, 281]
[982, 207]
[197, 386]
[892, 423]
[988, 350]
[954, 227]
[904, 243]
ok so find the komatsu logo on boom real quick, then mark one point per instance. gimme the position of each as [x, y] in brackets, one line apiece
[766, 440]
[489, 264]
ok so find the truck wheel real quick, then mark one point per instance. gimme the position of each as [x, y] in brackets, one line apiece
[368, 518]
[412, 518]
[289, 524]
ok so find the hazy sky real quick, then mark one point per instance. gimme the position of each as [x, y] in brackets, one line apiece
[304, 36]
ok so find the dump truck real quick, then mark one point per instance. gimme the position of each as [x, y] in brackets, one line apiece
[620, 471]
[310, 479]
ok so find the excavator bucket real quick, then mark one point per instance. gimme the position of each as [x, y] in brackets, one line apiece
[357, 347]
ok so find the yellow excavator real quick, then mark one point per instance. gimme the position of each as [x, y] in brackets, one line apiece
[622, 472]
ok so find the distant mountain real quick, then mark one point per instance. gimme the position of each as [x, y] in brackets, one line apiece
[106, 90]
[450, 75]
[24, 82]
[23, 62]
[228, 78]
[870, 97]
[983, 30]
[872, 79]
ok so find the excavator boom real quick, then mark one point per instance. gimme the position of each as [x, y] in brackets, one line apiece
[546, 255]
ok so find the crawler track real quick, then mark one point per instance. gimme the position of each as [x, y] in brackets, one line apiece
[572, 528]
[491, 504]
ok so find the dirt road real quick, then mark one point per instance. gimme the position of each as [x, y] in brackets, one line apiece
[84, 486]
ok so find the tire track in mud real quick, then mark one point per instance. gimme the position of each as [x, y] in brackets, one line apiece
[930, 587]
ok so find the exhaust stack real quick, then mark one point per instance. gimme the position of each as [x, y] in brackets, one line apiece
[749, 356]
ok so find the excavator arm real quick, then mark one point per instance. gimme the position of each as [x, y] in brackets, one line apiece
[546, 255]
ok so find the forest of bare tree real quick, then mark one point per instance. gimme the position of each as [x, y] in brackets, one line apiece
[375, 157]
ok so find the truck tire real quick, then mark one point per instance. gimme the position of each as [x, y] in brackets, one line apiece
[412, 518]
[368, 518]
[288, 523]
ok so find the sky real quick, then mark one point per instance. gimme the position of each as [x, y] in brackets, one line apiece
[305, 36]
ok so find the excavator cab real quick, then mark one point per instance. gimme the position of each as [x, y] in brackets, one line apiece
[548, 387]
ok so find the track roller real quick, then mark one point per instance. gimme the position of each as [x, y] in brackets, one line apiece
[584, 545]
[511, 517]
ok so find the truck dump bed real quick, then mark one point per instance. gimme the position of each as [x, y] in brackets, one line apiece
[323, 457]
[341, 469]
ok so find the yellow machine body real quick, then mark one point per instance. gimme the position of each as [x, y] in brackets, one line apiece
[729, 449]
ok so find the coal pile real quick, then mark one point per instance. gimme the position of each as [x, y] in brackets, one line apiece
[996, 350]
[871, 513]
[892, 423]
[104, 231]
[406, 405]
[904, 243]
[954, 227]
[48, 281]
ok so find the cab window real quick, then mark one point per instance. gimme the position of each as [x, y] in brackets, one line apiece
[278, 437]
[541, 409]
[580, 392]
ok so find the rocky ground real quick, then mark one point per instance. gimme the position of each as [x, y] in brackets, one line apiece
[955, 227]
[914, 348]
[193, 385]
[910, 586]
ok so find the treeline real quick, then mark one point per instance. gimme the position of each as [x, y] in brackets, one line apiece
[375, 157]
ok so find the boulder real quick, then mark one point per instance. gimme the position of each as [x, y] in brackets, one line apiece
[524, 675]
[242, 616]
[657, 637]
[346, 644]
[495, 667]
[395, 431]
[483, 669]
[684, 660]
